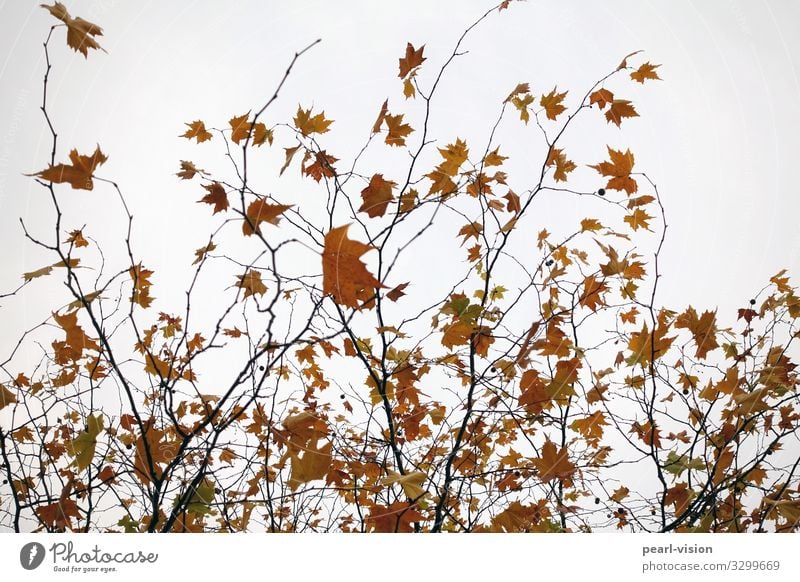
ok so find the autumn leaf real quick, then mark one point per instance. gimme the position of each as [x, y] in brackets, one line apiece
[80, 32]
[646, 347]
[619, 170]
[322, 166]
[76, 338]
[602, 97]
[217, 197]
[377, 196]
[201, 253]
[521, 102]
[397, 130]
[344, 276]
[554, 463]
[411, 60]
[646, 71]
[72, 263]
[563, 166]
[410, 483]
[241, 130]
[197, 130]
[591, 426]
[620, 109]
[251, 283]
[552, 103]
[188, 170]
[494, 158]
[309, 124]
[398, 517]
[262, 211]
[593, 292]
[79, 174]
[141, 285]
[638, 219]
[76, 239]
[7, 397]
[83, 446]
[703, 329]
[376, 127]
[624, 63]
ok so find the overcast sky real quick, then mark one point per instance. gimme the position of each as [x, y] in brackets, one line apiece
[720, 135]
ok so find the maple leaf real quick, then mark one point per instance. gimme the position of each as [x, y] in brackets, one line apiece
[411, 60]
[241, 130]
[494, 158]
[552, 103]
[376, 127]
[344, 276]
[647, 347]
[619, 170]
[76, 339]
[73, 263]
[251, 283]
[602, 97]
[197, 130]
[646, 71]
[78, 175]
[83, 446]
[188, 170]
[201, 253]
[262, 211]
[58, 515]
[154, 444]
[322, 166]
[398, 131]
[397, 292]
[563, 166]
[6, 397]
[619, 109]
[141, 285]
[80, 32]
[398, 517]
[521, 103]
[591, 427]
[454, 155]
[703, 329]
[638, 219]
[76, 239]
[593, 291]
[411, 483]
[554, 463]
[216, 196]
[308, 124]
[377, 196]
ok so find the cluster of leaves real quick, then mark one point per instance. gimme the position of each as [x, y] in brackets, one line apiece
[355, 401]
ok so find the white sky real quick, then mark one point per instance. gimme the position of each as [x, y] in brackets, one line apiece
[719, 135]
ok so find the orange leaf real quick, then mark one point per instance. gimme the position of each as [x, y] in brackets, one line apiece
[552, 103]
[646, 71]
[308, 124]
[620, 108]
[79, 174]
[80, 32]
[251, 283]
[377, 196]
[261, 211]
[216, 196]
[411, 61]
[344, 275]
[197, 130]
[554, 463]
[619, 170]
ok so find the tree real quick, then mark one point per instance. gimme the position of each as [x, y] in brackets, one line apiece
[320, 377]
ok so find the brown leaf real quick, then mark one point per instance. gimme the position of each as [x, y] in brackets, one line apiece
[80, 32]
[216, 197]
[261, 211]
[344, 275]
[411, 60]
[79, 174]
[377, 196]
[197, 130]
